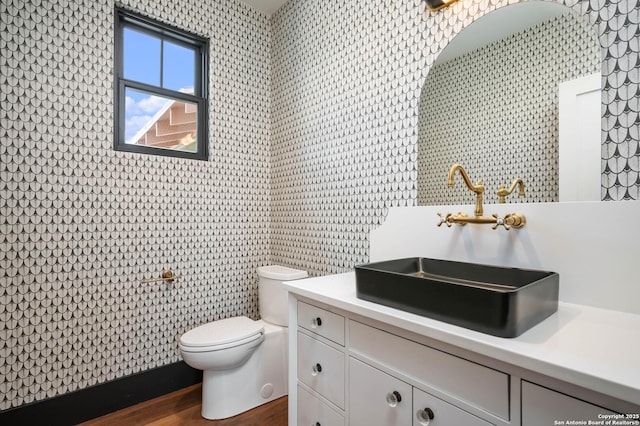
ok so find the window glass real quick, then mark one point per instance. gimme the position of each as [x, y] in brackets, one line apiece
[141, 57]
[178, 68]
[160, 122]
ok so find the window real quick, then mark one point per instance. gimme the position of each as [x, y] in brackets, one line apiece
[160, 89]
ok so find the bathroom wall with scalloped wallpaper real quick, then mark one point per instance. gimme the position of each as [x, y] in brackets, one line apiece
[313, 130]
[82, 225]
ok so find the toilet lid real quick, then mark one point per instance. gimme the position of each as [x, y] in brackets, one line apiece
[281, 273]
[222, 332]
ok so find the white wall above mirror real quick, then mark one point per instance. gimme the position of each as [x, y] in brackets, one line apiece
[490, 103]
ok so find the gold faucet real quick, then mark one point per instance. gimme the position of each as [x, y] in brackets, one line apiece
[515, 220]
[502, 192]
[478, 188]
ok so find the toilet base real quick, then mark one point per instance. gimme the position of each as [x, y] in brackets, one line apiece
[261, 379]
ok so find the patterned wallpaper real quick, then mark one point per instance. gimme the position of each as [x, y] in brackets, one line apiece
[82, 224]
[346, 80]
[328, 90]
[495, 111]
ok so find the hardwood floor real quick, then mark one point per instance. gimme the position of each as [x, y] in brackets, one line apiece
[183, 408]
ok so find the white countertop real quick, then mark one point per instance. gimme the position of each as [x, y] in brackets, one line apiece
[593, 348]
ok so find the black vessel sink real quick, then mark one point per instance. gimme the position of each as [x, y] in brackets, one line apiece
[500, 301]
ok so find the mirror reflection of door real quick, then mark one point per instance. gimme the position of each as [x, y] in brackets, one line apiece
[580, 171]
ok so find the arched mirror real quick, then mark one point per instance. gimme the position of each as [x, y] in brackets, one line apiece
[490, 102]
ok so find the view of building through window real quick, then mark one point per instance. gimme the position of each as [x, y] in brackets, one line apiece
[155, 121]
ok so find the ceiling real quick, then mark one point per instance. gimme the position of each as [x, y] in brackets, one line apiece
[265, 6]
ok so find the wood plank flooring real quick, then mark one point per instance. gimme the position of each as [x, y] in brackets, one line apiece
[183, 408]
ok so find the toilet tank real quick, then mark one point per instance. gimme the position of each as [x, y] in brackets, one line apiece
[272, 297]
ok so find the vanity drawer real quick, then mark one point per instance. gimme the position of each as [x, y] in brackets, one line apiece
[467, 381]
[542, 406]
[322, 322]
[443, 412]
[321, 367]
[312, 411]
[377, 398]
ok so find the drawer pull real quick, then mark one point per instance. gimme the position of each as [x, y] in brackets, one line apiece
[316, 369]
[393, 398]
[425, 416]
[316, 424]
[316, 322]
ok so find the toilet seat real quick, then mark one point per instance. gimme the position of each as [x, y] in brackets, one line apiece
[222, 334]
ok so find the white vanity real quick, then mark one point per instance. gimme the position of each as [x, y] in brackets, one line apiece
[354, 362]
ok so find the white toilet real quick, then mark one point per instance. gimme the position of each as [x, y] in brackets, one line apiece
[244, 362]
